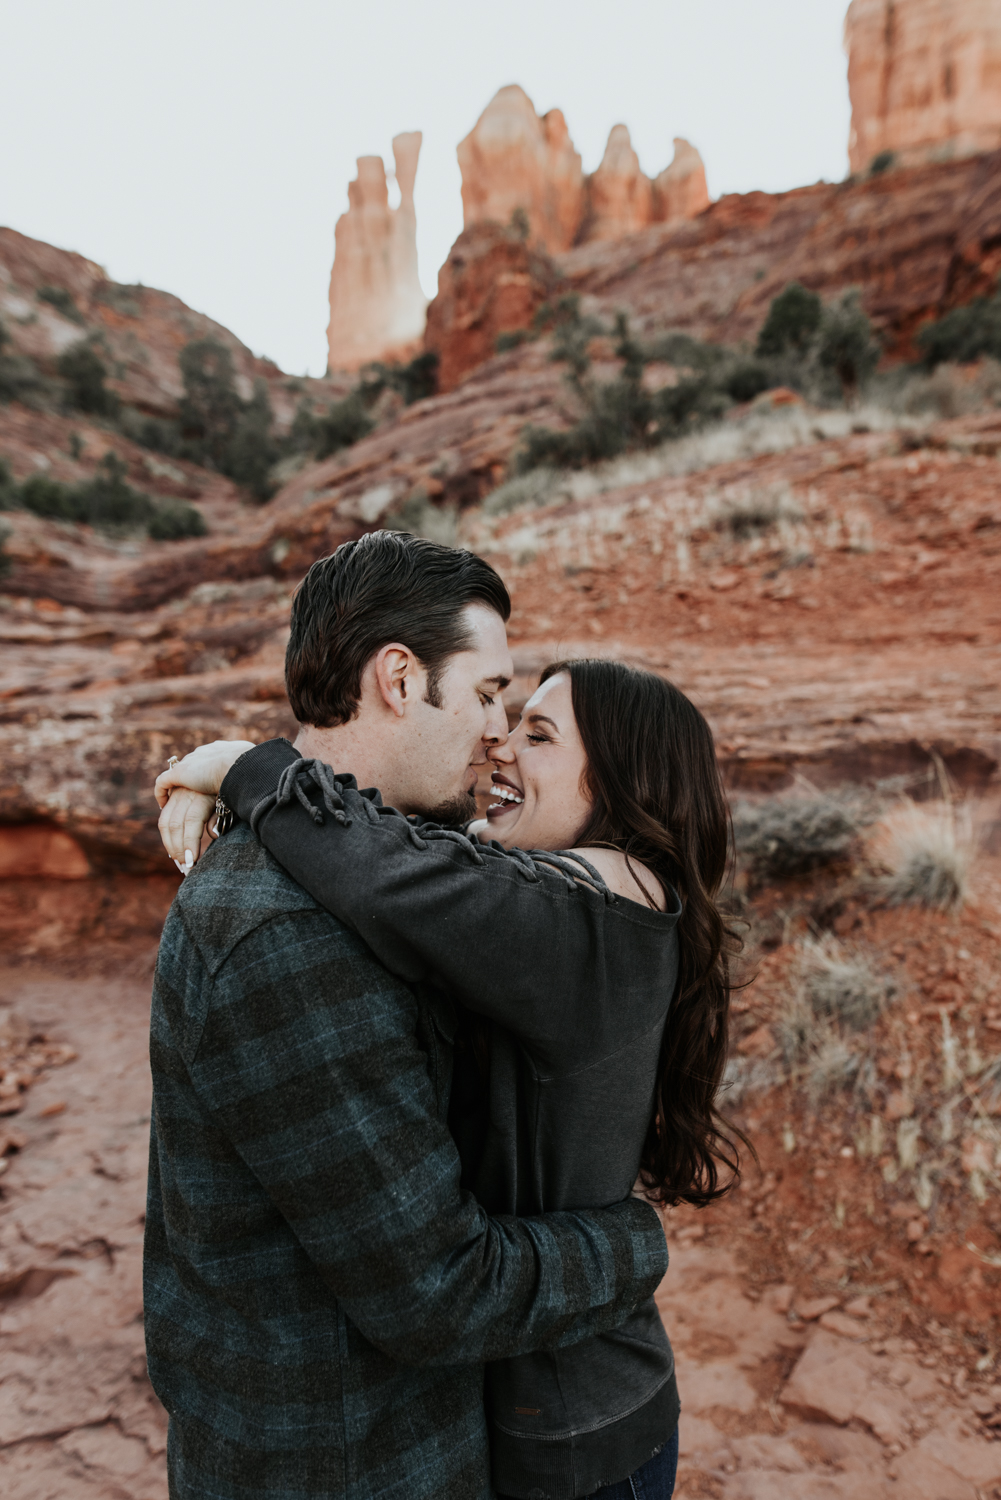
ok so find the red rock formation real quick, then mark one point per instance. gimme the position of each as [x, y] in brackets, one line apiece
[924, 77]
[515, 159]
[376, 302]
[680, 191]
[491, 283]
[620, 196]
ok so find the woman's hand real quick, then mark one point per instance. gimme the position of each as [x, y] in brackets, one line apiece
[186, 793]
[182, 826]
[204, 770]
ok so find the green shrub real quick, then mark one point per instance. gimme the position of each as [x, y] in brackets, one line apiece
[965, 334]
[251, 450]
[788, 836]
[620, 414]
[84, 372]
[174, 521]
[20, 377]
[882, 162]
[792, 322]
[343, 424]
[108, 503]
[5, 562]
[210, 405]
[62, 300]
[414, 381]
[747, 381]
[8, 489]
[845, 344]
[511, 339]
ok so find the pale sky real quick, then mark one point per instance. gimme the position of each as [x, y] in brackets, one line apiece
[205, 146]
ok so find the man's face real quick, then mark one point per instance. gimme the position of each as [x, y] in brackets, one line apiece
[446, 745]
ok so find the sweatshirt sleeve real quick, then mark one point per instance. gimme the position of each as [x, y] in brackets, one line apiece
[513, 936]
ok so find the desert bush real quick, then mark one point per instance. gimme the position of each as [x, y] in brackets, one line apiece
[251, 449]
[882, 162]
[748, 513]
[927, 853]
[159, 434]
[792, 322]
[5, 562]
[748, 380]
[964, 334]
[210, 406]
[511, 339]
[414, 381]
[108, 503]
[344, 423]
[84, 372]
[173, 520]
[845, 343]
[20, 377]
[841, 984]
[62, 300]
[787, 836]
[618, 415]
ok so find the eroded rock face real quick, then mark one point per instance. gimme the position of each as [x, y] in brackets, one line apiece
[492, 283]
[924, 78]
[515, 159]
[376, 302]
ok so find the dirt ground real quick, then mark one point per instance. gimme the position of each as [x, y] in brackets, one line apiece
[825, 1347]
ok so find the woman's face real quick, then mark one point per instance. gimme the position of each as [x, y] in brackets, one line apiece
[538, 773]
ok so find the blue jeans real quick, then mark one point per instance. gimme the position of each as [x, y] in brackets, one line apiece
[653, 1481]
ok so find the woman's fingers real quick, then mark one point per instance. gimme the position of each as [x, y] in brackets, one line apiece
[204, 770]
[182, 823]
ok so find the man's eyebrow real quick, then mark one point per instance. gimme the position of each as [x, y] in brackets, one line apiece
[543, 719]
[502, 682]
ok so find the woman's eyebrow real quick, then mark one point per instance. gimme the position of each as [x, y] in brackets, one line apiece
[543, 719]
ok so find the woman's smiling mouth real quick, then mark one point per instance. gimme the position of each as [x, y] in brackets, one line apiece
[507, 793]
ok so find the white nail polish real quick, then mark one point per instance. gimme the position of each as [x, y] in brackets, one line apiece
[189, 858]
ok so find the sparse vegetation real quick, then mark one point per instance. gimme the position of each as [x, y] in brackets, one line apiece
[964, 334]
[792, 323]
[62, 300]
[84, 373]
[927, 852]
[788, 836]
[106, 502]
[845, 344]
[838, 993]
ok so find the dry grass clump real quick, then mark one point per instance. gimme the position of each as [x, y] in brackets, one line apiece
[787, 836]
[839, 992]
[748, 513]
[926, 852]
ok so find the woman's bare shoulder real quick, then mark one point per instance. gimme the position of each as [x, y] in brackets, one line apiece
[617, 873]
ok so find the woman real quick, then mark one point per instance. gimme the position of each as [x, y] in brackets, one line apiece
[593, 994]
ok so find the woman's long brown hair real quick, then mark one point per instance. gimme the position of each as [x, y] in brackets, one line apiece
[656, 793]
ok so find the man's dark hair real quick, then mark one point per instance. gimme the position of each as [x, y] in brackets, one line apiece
[388, 586]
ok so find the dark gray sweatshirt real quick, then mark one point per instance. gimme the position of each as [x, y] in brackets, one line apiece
[575, 984]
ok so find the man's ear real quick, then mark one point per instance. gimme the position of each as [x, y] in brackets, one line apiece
[399, 677]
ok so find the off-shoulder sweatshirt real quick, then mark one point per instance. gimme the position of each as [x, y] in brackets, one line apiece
[575, 985]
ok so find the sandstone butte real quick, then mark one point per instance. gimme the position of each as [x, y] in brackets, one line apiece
[514, 159]
[376, 302]
[924, 78]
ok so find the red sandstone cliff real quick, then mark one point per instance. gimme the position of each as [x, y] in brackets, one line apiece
[924, 77]
[376, 302]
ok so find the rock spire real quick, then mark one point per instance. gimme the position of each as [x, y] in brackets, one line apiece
[376, 304]
[515, 162]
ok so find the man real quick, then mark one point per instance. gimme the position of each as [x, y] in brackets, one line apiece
[320, 1293]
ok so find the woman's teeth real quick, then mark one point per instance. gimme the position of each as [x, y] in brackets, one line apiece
[507, 794]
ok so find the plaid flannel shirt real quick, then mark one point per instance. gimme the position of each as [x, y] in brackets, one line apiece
[320, 1294]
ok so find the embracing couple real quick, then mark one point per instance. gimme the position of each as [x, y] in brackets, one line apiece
[409, 1067]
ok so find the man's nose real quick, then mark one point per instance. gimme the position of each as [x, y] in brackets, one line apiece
[496, 731]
